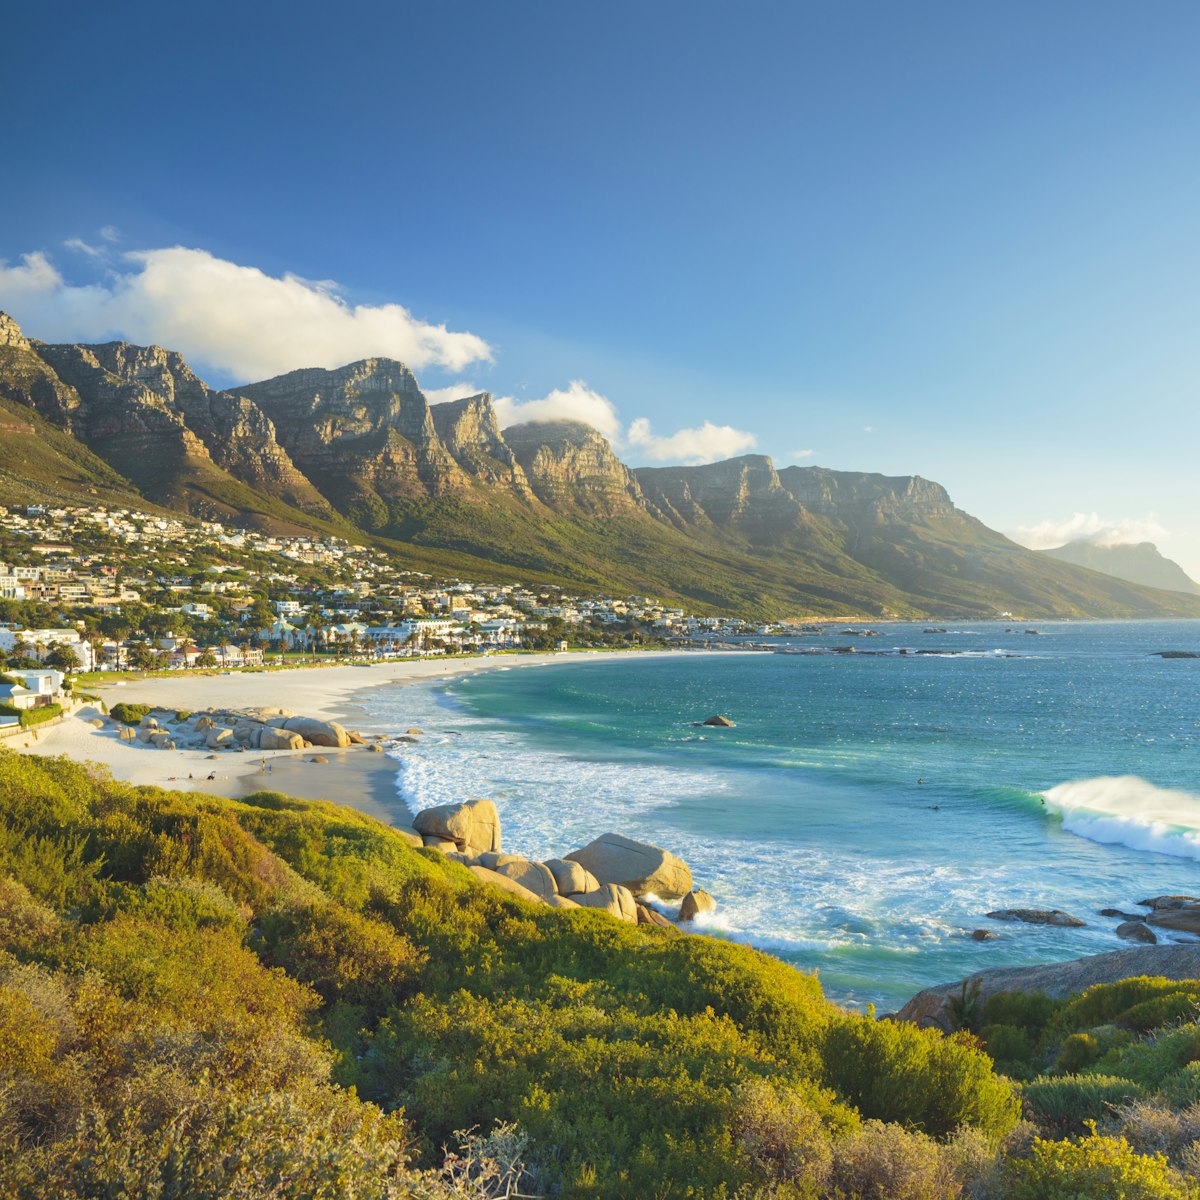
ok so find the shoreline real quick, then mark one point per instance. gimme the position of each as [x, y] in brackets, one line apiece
[355, 777]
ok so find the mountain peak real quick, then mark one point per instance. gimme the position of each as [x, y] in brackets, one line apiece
[10, 333]
[552, 433]
[1135, 562]
[568, 463]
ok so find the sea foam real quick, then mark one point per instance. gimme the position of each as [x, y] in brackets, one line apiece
[1129, 811]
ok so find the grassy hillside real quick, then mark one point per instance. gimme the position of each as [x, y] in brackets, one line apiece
[202, 998]
[40, 463]
[207, 998]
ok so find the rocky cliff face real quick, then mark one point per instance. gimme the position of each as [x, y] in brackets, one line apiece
[572, 467]
[10, 333]
[553, 498]
[747, 493]
[234, 433]
[364, 435]
[471, 435]
[856, 494]
[126, 422]
[743, 493]
[27, 380]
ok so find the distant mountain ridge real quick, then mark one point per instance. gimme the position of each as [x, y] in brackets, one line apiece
[358, 450]
[1137, 562]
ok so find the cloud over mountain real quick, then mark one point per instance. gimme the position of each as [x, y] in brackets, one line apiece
[245, 325]
[705, 443]
[223, 316]
[575, 402]
[1090, 527]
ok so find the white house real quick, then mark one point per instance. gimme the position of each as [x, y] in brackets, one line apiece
[17, 696]
[44, 684]
[40, 641]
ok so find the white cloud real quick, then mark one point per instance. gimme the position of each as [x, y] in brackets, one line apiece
[707, 443]
[224, 316]
[35, 278]
[248, 325]
[84, 248]
[1090, 527]
[454, 391]
[801, 453]
[577, 402]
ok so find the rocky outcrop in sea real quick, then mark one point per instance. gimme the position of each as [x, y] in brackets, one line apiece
[613, 873]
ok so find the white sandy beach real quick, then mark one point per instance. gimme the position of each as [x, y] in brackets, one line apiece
[356, 776]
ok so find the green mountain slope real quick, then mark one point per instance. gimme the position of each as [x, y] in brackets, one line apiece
[360, 453]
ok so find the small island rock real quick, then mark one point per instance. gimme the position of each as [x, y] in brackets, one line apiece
[1037, 916]
[695, 903]
[1166, 903]
[1136, 931]
[1178, 920]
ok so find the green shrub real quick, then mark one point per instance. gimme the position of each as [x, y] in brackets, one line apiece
[185, 905]
[343, 955]
[1066, 1104]
[887, 1162]
[174, 961]
[894, 1072]
[783, 1137]
[129, 714]
[1152, 1128]
[1153, 1060]
[1078, 1051]
[1182, 1089]
[23, 920]
[1183, 1005]
[1030, 1011]
[39, 716]
[1141, 1003]
[1094, 1168]
[1012, 1048]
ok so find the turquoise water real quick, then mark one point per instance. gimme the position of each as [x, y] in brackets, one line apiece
[869, 808]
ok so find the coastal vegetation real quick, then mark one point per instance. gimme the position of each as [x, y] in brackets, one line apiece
[202, 997]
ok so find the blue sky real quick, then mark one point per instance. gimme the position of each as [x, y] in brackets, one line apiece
[955, 240]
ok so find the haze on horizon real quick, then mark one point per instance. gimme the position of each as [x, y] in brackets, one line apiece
[955, 242]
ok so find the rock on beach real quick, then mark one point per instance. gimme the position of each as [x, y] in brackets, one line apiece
[695, 903]
[638, 866]
[474, 825]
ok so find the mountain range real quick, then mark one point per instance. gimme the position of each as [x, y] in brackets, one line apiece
[359, 452]
[1138, 562]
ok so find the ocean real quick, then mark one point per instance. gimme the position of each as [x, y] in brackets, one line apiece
[869, 808]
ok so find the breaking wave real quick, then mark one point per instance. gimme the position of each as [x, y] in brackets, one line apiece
[1128, 811]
